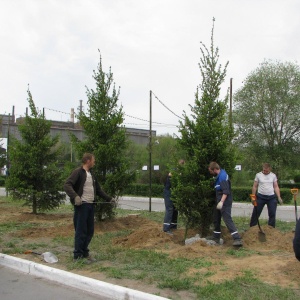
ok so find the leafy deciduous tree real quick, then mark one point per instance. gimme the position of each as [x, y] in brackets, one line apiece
[164, 151]
[266, 114]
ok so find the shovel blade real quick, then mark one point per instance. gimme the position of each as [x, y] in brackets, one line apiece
[50, 257]
[262, 237]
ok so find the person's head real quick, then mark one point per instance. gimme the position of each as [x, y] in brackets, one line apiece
[266, 168]
[214, 168]
[88, 160]
[181, 162]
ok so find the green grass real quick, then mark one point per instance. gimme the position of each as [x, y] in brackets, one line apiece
[245, 287]
[241, 252]
[150, 266]
[14, 226]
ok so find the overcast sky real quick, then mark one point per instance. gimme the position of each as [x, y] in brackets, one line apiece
[149, 45]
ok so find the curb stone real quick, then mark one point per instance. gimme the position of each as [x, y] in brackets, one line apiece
[87, 284]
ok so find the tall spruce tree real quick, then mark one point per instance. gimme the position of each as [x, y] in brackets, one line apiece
[34, 176]
[106, 139]
[205, 136]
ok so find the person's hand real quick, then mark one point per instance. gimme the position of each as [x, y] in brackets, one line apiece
[280, 201]
[78, 201]
[113, 202]
[253, 199]
[220, 205]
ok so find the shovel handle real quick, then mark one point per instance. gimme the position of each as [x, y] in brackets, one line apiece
[32, 252]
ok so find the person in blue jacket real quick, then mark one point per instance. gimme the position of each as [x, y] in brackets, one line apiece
[296, 241]
[223, 205]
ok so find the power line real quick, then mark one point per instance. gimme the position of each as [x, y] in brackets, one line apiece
[167, 107]
[157, 123]
[144, 125]
[148, 120]
[62, 112]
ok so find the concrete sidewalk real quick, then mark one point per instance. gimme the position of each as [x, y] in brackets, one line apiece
[108, 290]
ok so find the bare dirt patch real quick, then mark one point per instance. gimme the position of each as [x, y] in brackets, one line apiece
[271, 261]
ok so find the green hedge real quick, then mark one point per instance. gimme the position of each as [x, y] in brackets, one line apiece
[143, 190]
[240, 194]
[289, 185]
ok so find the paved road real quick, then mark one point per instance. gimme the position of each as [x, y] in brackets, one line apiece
[284, 212]
[16, 285]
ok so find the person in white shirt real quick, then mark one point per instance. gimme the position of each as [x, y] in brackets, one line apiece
[266, 186]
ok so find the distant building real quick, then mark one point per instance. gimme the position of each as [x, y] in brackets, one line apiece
[9, 124]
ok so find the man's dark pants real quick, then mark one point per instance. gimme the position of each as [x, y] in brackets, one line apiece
[84, 229]
[225, 213]
[171, 213]
[296, 241]
[271, 203]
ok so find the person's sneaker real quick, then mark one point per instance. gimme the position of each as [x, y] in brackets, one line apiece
[81, 260]
[237, 242]
[169, 232]
[217, 241]
[91, 259]
[78, 258]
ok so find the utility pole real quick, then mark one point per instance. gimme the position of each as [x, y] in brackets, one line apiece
[150, 153]
[7, 152]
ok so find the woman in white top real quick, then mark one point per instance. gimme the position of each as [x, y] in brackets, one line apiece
[266, 186]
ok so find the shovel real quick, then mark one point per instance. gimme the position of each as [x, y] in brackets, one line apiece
[261, 234]
[47, 256]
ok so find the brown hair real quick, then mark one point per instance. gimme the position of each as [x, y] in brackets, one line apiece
[213, 165]
[86, 157]
[266, 166]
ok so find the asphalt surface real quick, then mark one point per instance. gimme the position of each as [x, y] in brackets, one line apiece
[15, 285]
[284, 212]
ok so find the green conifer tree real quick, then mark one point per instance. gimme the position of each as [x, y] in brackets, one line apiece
[106, 139]
[34, 176]
[205, 136]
